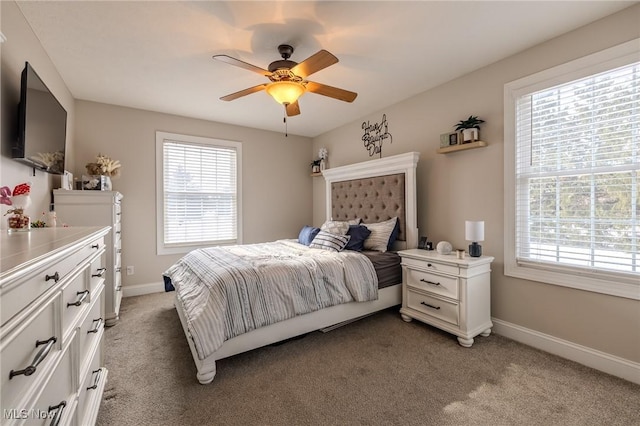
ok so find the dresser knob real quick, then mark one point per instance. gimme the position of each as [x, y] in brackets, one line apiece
[95, 246]
[58, 416]
[100, 273]
[83, 295]
[96, 380]
[55, 277]
[430, 306]
[428, 282]
[40, 356]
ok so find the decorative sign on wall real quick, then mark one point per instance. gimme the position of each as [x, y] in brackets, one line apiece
[375, 135]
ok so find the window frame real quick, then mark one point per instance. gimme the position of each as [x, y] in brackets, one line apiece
[599, 281]
[179, 248]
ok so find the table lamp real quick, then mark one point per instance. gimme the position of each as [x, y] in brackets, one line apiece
[474, 232]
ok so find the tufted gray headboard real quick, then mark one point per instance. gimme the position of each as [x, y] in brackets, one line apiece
[373, 199]
[374, 191]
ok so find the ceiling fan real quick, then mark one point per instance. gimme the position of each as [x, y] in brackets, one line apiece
[288, 79]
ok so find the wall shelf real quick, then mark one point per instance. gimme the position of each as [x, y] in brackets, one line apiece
[316, 174]
[454, 148]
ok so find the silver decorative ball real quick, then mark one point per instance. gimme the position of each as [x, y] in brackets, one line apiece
[444, 247]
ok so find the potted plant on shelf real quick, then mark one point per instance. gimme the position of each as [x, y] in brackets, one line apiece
[315, 166]
[470, 129]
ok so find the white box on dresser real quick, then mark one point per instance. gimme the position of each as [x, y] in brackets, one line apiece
[52, 325]
[94, 208]
[446, 292]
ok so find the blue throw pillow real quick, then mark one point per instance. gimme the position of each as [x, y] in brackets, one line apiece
[358, 234]
[394, 235]
[307, 234]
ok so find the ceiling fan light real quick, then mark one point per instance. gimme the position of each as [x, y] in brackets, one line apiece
[285, 92]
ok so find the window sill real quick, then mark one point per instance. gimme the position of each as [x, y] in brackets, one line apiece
[612, 284]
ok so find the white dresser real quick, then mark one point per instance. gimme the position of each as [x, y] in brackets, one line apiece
[52, 326]
[446, 292]
[93, 208]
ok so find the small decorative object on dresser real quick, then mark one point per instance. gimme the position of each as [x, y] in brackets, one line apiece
[444, 247]
[446, 292]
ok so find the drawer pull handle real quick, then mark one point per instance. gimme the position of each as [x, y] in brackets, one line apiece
[97, 327]
[55, 277]
[429, 265]
[60, 408]
[118, 270]
[83, 295]
[40, 356]
[95, 246]
[100, 273]
[429, 306]
[428, 282]
[97, 379]
[119, 288]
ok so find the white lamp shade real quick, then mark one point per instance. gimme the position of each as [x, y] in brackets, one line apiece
[474, 230]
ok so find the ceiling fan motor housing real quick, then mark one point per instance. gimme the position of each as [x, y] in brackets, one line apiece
[281, 64]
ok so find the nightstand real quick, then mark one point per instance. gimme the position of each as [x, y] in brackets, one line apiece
[446, 292]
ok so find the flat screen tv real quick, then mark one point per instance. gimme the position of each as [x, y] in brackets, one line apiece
[42, 126]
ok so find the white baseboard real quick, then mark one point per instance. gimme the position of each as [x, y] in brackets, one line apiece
[611, 364]
[140, 289]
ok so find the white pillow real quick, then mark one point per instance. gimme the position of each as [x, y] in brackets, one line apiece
[336, 227]
[328, 241]
[380, 234]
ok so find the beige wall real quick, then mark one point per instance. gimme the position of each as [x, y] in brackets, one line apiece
[23, 46]
[275, 177]
[466, 185]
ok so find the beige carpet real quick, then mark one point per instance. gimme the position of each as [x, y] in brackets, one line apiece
[377, 371]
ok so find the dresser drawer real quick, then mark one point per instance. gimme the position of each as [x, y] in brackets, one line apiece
[434, 307]
[429, 265]
[443, 285]
[58, 396]
[91, 330]
[75, 296]
[35, 344]
[19, 295]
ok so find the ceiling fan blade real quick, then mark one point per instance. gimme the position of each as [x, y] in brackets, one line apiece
[293, 109]
[314, 63]
[244, 92]
[242, 64]
[332, 92]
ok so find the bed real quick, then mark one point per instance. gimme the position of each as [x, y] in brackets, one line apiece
[373, 191]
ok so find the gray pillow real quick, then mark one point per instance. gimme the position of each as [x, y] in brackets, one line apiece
[380, 234]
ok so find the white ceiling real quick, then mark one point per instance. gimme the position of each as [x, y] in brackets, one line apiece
[157, 55]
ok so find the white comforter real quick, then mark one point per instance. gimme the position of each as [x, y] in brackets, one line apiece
[227, 291]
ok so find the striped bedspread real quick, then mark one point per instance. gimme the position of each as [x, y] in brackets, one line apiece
[227, 291]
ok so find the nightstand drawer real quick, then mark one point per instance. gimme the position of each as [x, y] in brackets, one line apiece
[427, 264]
[438, 308]
[438, 284]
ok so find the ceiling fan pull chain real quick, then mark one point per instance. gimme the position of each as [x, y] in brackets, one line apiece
[286, 132]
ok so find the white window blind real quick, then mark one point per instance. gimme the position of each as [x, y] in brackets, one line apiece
[199, 191]
[577, 189]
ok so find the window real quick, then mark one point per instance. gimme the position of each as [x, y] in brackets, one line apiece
[197, 192]
[572, 174]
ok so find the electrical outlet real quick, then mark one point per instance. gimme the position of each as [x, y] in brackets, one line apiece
[130, 270]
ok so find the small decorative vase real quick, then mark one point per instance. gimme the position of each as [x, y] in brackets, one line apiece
[18, 221]
[469, 135]
[323, 164]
